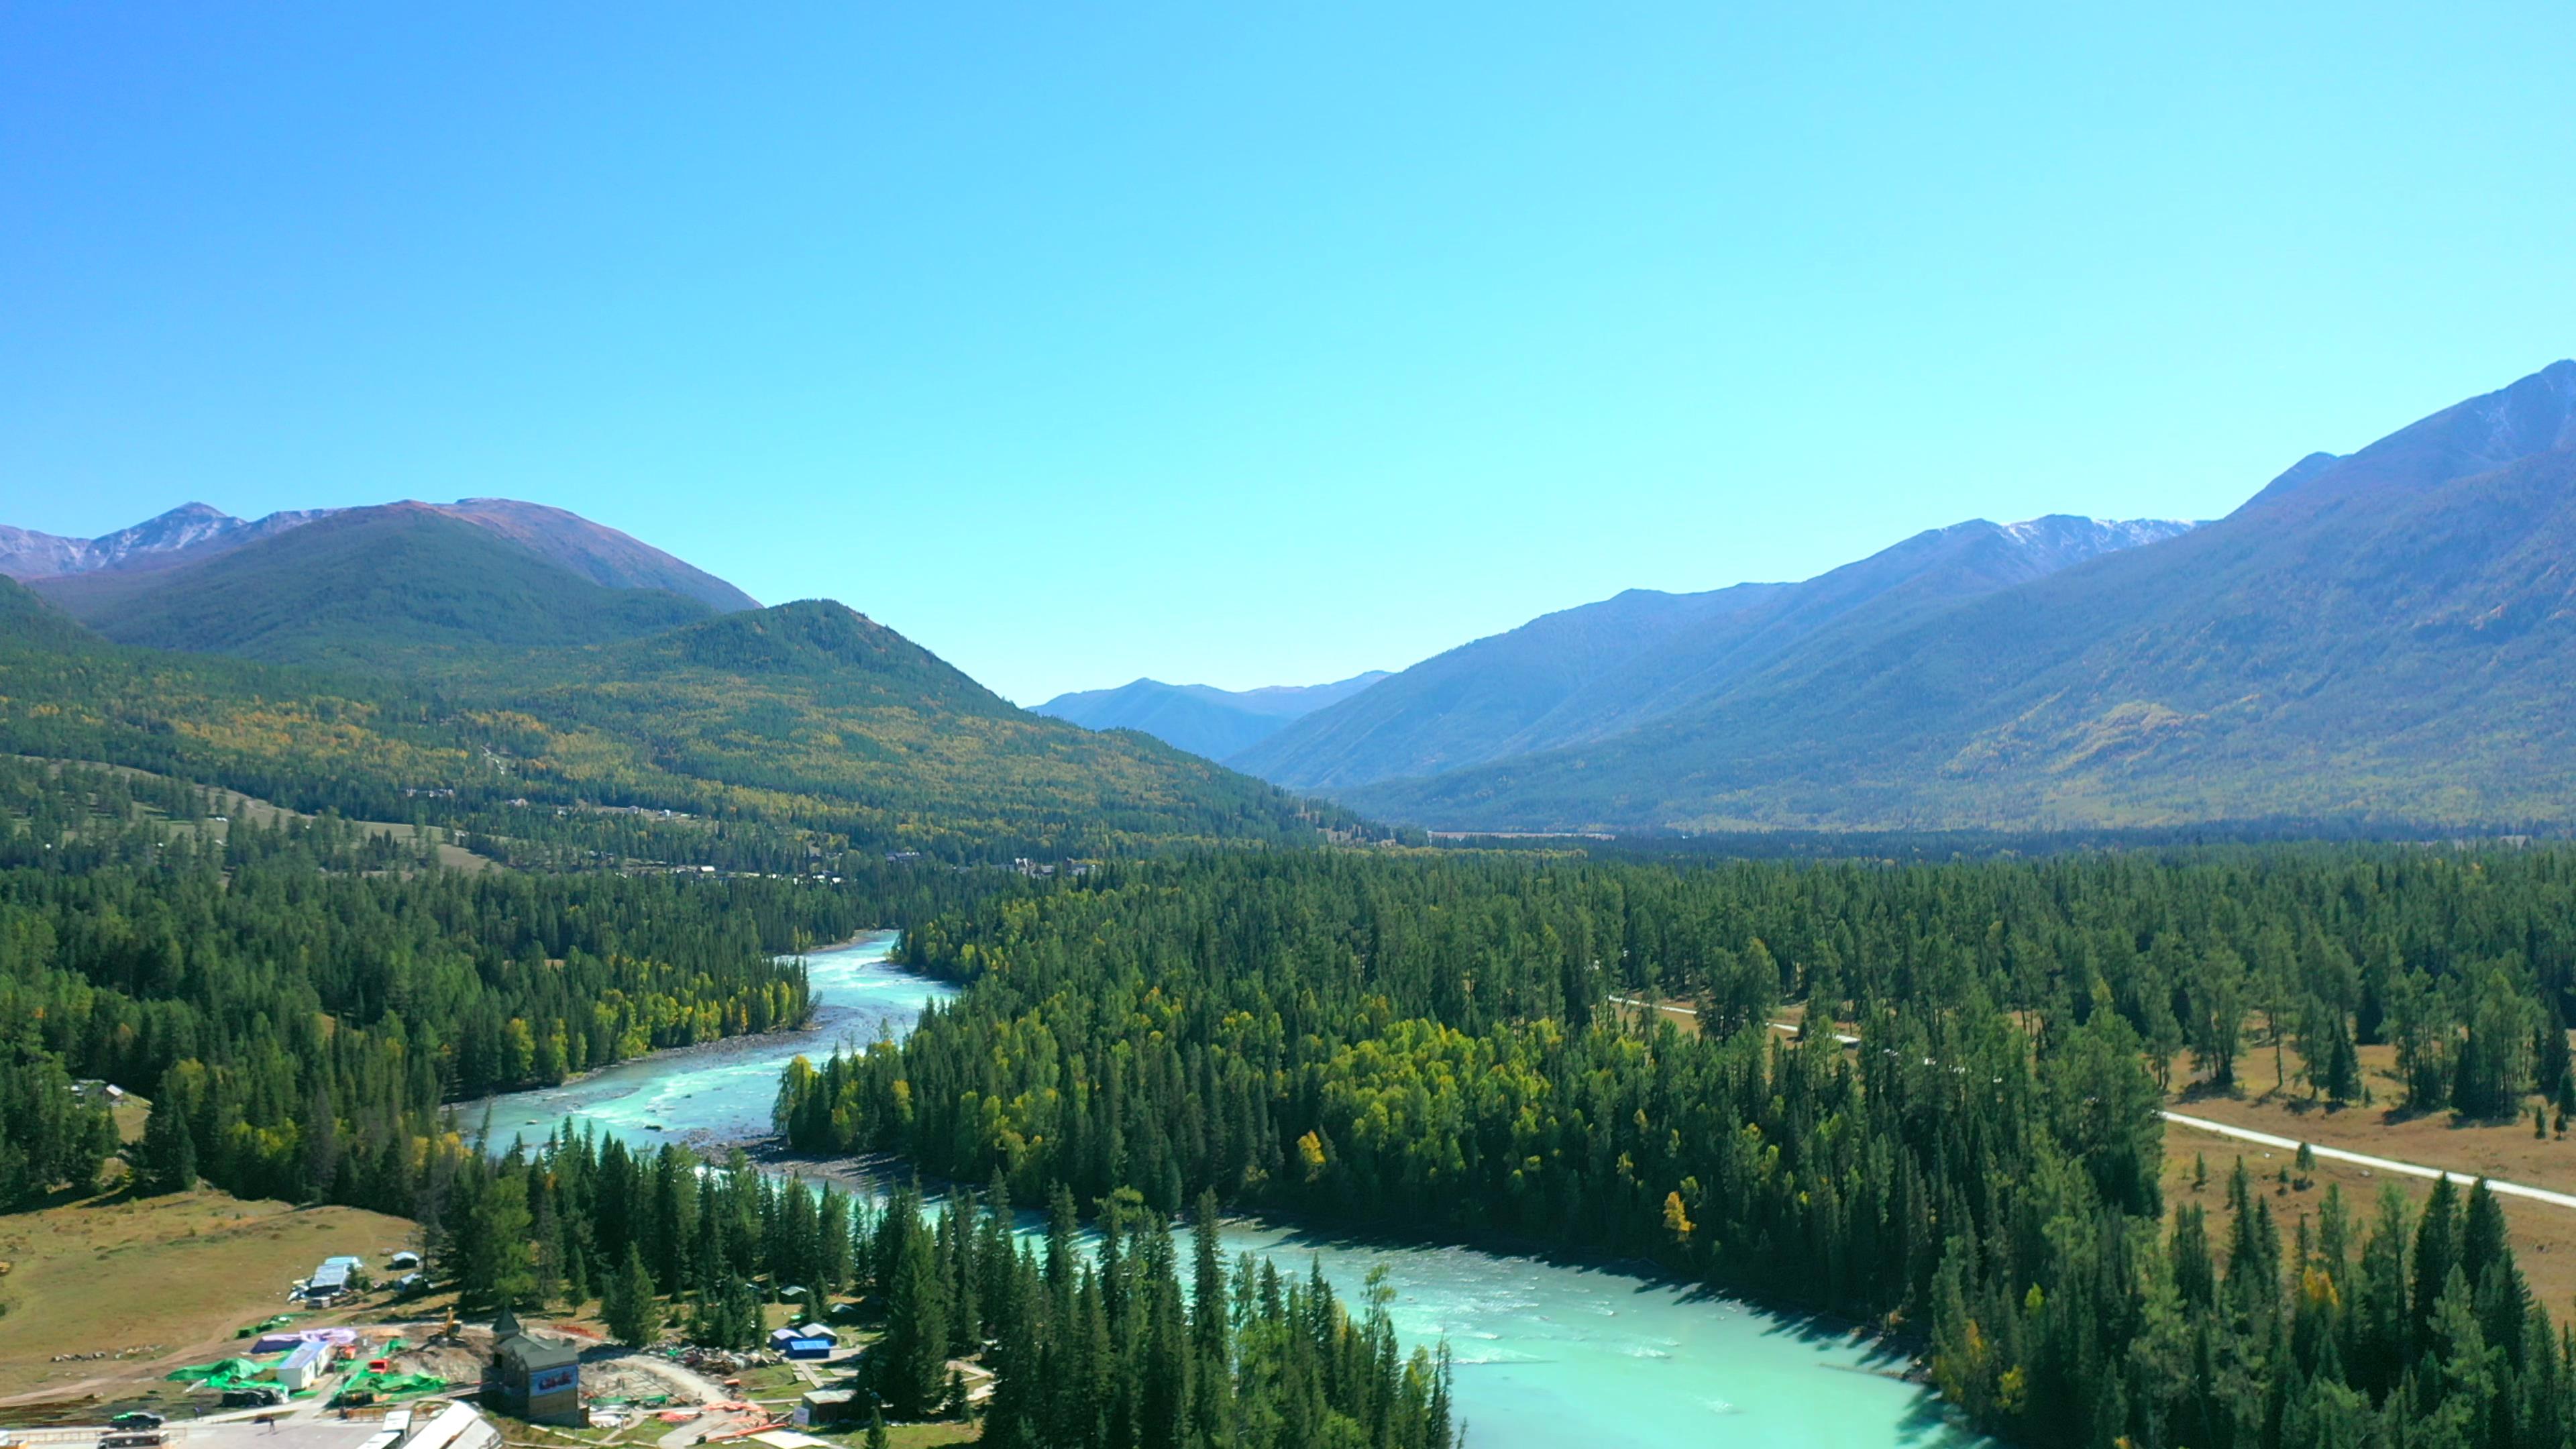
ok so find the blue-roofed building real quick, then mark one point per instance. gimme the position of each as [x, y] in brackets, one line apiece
[803, 1342]
[328, 1282]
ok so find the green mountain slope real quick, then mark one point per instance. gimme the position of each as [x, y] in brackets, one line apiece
[804, 723]
[366, 585]
[830, 715]
[2390, 635]
[595, 551]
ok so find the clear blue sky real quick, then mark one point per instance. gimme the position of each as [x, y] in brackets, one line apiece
[1258, 344]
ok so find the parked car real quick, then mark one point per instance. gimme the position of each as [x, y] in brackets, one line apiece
[253, 1396]
[137, 1419]
[131, 1439]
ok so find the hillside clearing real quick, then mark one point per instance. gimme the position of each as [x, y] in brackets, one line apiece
[155, 1283]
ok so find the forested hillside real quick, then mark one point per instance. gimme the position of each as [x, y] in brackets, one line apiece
[1428, 1046]
[781, 733]
[823, 717]
[398, 586]
[304, 999]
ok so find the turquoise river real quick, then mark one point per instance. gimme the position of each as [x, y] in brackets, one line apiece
[1549, 1355]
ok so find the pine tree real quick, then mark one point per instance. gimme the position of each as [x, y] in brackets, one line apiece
[2437, 1254]
[634, 1314]
[1212, 1368]
[911, 1361]
[169, 1150]
[499, 1266]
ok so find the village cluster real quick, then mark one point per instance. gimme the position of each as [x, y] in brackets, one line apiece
[444, 1383]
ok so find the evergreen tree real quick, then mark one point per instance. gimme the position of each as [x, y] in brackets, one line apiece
[910, 1364]
[169, 1150]
[499, 1263]
[633, 1313]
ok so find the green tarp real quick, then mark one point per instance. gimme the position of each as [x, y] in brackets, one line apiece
[387, 1386]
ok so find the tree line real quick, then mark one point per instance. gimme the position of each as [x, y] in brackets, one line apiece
[1098, 1340]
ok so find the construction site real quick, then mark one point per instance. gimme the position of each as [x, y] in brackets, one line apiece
[347, 1364]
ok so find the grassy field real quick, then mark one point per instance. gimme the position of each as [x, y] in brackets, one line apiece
[154, 1283]
[2504, 1149]
[2544, 1237]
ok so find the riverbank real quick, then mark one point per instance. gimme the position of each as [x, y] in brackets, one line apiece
[827, 1023]
[1550, 1349]
[878, 1174]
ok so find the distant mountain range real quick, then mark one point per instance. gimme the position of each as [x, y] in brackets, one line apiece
[1600, 670]
[1201, 718]
[500, 657]
[2389, 636]
[199, 533]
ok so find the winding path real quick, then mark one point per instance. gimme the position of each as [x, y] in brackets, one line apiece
[2377, 1164]
[2248, 1134]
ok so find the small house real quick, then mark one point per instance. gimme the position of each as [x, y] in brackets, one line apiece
[302, 1367]
[824, 1408]
[403, 1261]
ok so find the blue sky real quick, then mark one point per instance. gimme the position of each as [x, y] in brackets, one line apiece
[1248, 347]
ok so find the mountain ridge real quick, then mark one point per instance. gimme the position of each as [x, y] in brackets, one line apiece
[198, 532]
[1201, 718]
[1594, 670]
[375, 585]
[2378, 635]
